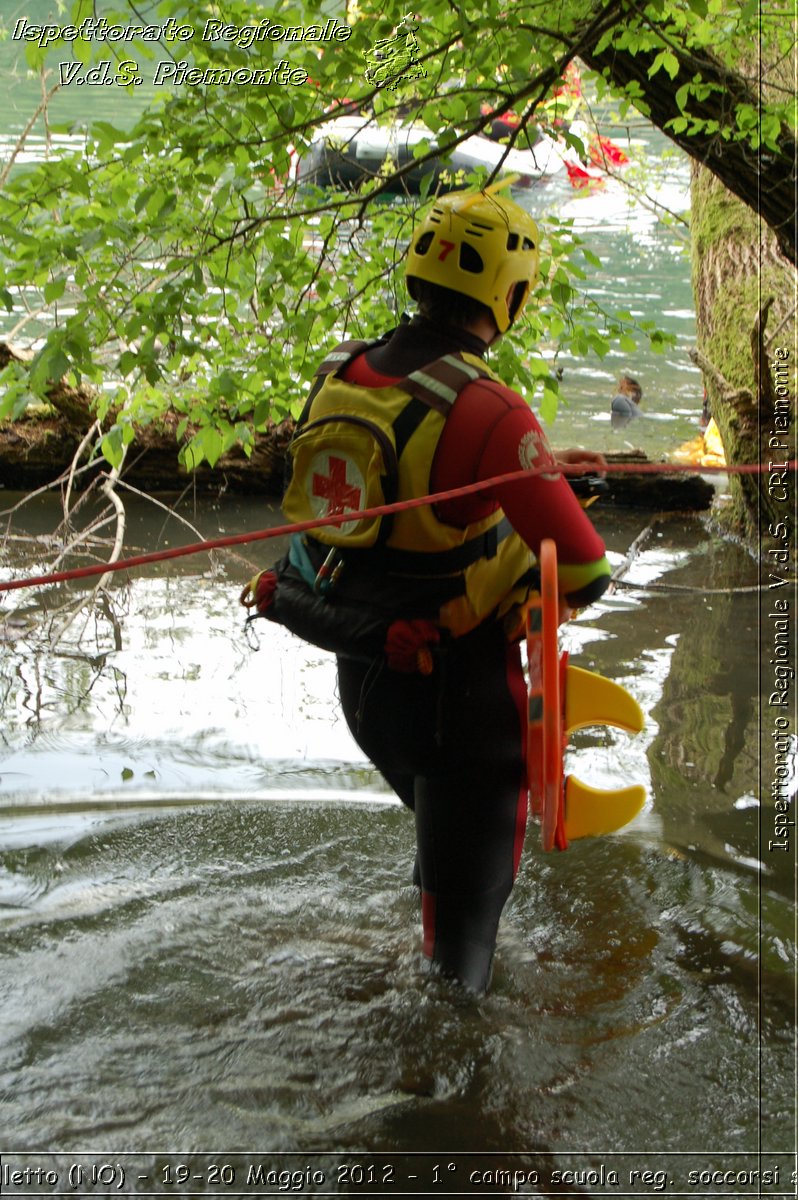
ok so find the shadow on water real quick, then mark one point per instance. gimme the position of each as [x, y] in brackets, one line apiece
[209, 935]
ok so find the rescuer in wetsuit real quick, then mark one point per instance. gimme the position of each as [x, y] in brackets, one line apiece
[441, 711]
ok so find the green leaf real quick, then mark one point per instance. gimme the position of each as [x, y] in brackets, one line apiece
[112, 448]
[128, 362]
[143, 198]
[671, 64]
[682, 96]
[15, 394]
[49, 365]
[425, 185]
[54, 290]
[666, 59]
[548, 406]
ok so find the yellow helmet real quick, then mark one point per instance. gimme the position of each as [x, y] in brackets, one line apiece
[480, 245]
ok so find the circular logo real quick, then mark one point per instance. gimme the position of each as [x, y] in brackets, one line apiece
[534, 452]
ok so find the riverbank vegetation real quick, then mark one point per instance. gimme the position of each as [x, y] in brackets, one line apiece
[171, 284]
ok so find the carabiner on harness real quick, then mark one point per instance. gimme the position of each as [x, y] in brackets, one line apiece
[328, 573]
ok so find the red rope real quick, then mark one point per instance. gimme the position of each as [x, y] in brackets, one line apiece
[240, 539]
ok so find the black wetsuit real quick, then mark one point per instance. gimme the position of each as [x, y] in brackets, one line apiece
[452, 746]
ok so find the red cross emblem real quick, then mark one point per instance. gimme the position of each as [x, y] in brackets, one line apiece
[342, 495]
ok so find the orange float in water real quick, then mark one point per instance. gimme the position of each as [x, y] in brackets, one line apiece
[705, 450]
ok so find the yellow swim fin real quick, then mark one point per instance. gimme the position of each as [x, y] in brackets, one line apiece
[591, 812]
[592, 700]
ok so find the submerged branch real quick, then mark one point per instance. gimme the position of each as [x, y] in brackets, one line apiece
[85, 603]
[109, 490]
[93, 431]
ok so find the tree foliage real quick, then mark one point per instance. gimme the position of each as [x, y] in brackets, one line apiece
[181, 272]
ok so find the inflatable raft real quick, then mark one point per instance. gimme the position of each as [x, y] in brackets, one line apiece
[349, 149]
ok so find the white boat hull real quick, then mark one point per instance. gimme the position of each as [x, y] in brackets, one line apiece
[347, 150]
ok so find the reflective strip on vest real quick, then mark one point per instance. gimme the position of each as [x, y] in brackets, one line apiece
[445, 382]
[341, 355]
[461, 366]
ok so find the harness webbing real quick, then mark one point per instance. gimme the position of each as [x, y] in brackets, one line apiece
[442, 380]
[434, 387]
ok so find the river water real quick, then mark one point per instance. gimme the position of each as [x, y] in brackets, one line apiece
[209, 941]
[209, 938]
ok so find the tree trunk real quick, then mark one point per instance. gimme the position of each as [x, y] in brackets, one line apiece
[765, 182]
[744, 296]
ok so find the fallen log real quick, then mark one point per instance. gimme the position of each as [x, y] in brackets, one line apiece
[73, 404]
[671, 492]
[36, 450]
[40, 446]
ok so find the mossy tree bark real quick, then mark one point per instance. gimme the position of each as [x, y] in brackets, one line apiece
[745, 289]
[745, 295]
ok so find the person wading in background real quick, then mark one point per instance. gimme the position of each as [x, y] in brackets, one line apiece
[425, 609]
[625, 404]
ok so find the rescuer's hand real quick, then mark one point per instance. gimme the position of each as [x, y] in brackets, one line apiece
[578, 457]
[259, 592]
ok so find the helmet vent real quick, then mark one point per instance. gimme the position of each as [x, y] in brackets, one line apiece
[470, 260]
[424, 242]
[512, 241]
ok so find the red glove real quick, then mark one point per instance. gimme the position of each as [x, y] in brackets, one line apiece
[259, 592]
[407, 646]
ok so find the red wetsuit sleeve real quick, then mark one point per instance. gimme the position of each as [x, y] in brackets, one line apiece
[491, 431]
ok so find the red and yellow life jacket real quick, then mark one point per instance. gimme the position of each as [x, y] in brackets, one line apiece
[358, 447]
